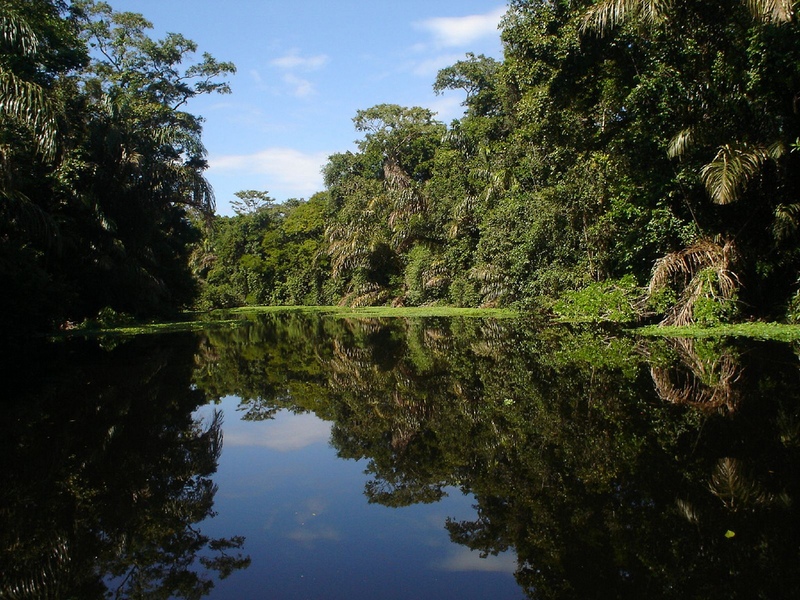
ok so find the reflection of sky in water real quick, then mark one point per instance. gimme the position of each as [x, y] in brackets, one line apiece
[311, 533]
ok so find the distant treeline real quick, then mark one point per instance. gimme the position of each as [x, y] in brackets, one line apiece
[626, 158]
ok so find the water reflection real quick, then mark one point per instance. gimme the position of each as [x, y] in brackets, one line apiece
[600, 465]
[612, 467]
[107, 474]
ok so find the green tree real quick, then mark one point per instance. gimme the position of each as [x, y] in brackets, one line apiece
[40, 50]
[380, 202]
[102, 222]
[250, 201]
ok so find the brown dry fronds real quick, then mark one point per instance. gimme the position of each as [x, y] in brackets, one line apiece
[710, 384]
[685, 269]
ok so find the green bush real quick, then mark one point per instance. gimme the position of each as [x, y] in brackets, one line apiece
[613, 301]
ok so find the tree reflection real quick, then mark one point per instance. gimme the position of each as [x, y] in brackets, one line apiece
[612, 467]
[107, 474]
[701, 376]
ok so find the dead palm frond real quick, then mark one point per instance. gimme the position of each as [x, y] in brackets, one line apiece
[708, 383]
[394, 175]
[778, 11]
[704, 269]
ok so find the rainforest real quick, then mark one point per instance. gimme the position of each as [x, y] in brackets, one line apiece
[627, 160]
[430, 378]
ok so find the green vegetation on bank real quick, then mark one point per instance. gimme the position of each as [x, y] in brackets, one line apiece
[232, 318]
[755, 330]
[384, 311]
[619, 164]
[114, 325]
[624, 161]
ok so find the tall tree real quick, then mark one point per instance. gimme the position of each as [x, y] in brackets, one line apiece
[111, 202]
[40, 49]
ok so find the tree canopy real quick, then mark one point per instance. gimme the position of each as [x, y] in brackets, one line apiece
[100, 166]
[622, 149]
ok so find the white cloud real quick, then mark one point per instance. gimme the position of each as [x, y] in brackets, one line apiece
[301, 88]
[464, 559]
[283, 435]
[462, 31]
[293, 61]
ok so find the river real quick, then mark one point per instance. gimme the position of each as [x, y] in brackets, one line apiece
[306, 456]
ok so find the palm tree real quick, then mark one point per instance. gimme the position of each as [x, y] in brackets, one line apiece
[25, 106]
[607, 14]
[703, 270]
[707, 380]
[22, 101]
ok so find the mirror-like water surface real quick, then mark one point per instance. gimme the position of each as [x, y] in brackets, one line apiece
[300, 456]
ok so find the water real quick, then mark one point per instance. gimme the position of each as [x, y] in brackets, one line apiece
[311, 532]
[307, 457]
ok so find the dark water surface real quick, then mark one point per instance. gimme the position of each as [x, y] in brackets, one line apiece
[309, 457]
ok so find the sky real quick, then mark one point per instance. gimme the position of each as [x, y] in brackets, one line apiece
[305, 67]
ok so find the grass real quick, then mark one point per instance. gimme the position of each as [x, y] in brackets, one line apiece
[233, 317]
[384, 311]
[147, 328]
[754, 330]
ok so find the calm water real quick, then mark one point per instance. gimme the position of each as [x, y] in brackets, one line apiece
[307, 457]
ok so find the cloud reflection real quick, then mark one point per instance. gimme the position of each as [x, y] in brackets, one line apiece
[287, 432]
[464, 559]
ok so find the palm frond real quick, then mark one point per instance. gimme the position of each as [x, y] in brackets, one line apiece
[494, 287]
[704, 381]
[681, 142]
[687, 510]
[607, 14]
[16, 207]
[703, 270]
[786, 220]
[685, 263]
[731, 484]
[462, 216]
[367, 294]
[15, 33]
[27, 103]
[726, 177]
[435, 275]
[778, 11]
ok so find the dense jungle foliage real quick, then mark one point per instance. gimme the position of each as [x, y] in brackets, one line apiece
[99, 167]
[626, 158]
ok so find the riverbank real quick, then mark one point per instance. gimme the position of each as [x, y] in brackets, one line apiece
[233, 317]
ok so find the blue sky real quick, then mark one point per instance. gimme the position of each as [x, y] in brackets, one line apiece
[304, 67]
